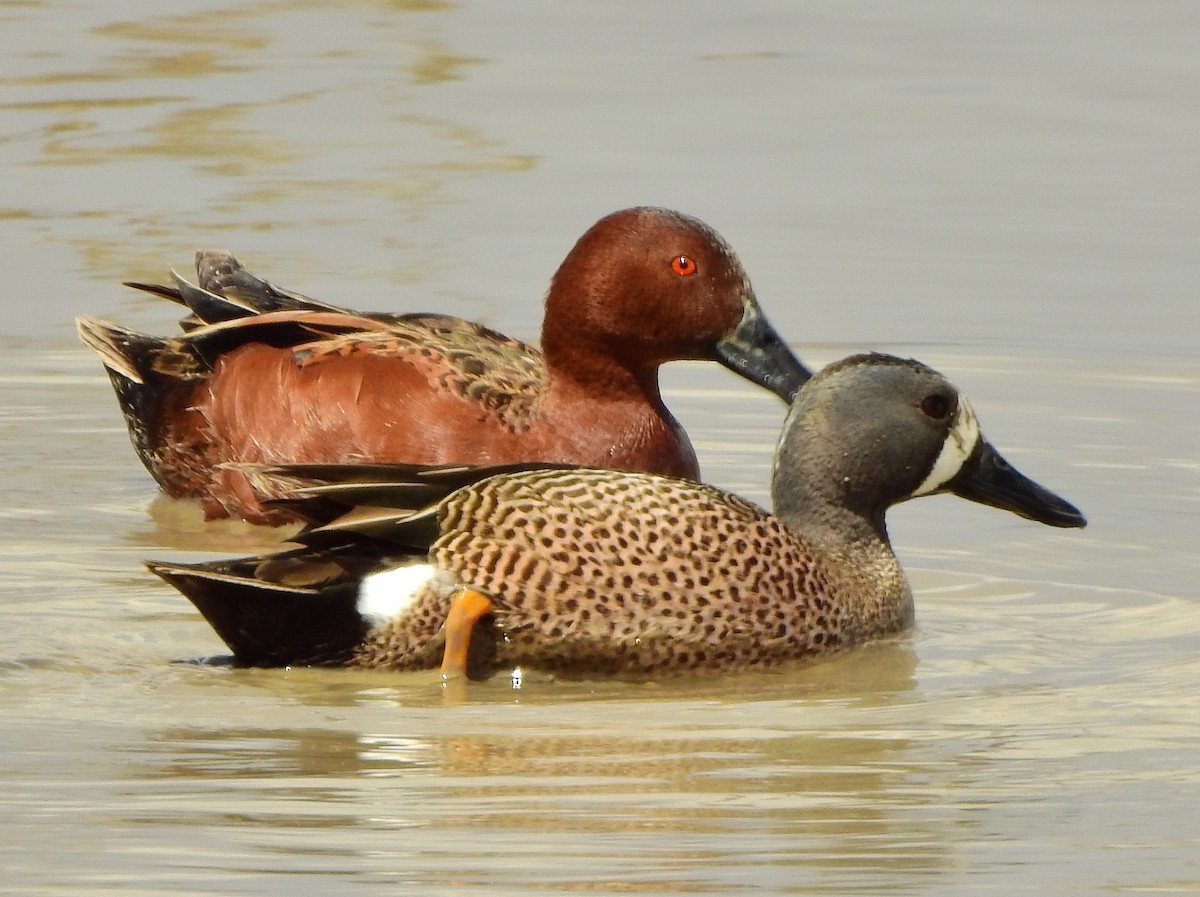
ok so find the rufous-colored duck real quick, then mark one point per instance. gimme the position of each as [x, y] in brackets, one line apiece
[585, 571]
[264, 375]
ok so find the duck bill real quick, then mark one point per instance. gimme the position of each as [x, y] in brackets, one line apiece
[755, 351]
[990, 480]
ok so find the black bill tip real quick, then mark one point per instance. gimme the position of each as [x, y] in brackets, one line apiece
[989, 479]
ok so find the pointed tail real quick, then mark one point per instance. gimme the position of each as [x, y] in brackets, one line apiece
[301, 621]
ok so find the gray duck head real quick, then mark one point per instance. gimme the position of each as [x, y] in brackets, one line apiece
[874, 430]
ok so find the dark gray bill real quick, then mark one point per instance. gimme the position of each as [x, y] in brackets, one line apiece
[757, 352]
[990, 480]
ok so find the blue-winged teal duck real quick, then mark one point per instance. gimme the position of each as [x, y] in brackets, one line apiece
[263, 375]
[587, 571]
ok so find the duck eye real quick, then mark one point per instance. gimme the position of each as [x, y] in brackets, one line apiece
[683, 265]
[936, 406]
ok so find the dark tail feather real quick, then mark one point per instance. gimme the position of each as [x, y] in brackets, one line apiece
[228, 292]
[157, 289]
[123, 351]
[220, 273]
[206, 307]
[137, 365]
[267, 624]
[391, 503]
[408, 487]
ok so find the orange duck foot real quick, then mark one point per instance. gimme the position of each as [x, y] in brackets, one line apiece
[467, 608]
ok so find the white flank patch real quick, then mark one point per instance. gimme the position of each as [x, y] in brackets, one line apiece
[384, 596]
[957, 448]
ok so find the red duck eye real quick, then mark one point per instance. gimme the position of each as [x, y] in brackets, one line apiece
[683, 266]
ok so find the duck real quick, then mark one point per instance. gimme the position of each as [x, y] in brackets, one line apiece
[584, 572]
[263, 375]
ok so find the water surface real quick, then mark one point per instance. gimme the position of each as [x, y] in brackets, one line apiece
[1009, 194]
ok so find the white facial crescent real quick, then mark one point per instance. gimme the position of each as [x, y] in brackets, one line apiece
[960, 443]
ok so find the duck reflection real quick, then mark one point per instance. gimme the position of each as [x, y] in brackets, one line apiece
[694, 785]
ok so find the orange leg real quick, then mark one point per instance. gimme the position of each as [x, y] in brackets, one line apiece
[466, 608]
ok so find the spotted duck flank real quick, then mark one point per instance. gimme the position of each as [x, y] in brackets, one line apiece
[586, 571]
[264, 375]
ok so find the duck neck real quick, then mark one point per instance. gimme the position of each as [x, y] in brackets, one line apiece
[813, 492]
[587, 384]
[861, 565]
[573, 363]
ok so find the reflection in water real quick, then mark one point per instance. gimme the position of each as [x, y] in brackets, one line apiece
[240, 109]
[704, 796]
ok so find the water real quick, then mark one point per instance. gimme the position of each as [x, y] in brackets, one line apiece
[1009, 194]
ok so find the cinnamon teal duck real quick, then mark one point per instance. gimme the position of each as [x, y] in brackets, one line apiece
[265, 375]
[586, 571]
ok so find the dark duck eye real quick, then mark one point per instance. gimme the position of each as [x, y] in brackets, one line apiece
[936, 406]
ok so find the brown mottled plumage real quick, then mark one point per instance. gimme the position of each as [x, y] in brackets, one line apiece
[597, 571]
[263, 375]
[593, 571]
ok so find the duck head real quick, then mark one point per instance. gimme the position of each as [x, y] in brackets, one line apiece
[645, 286]
[874, 430]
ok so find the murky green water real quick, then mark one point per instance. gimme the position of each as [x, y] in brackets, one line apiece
[1009, 194]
